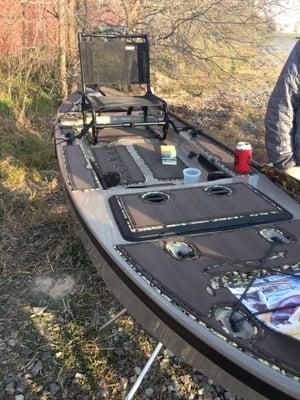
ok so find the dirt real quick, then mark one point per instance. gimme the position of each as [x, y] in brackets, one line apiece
[56, 288]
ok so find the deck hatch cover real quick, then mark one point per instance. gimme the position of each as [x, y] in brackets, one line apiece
[185, 283]
[150, 153]
[244, 206]
[118, 159]
[80, 177]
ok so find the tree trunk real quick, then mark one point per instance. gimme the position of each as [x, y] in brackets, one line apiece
[82, 10]
[72, 36]
[62, 49]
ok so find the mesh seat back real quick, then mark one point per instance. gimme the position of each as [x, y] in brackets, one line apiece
[119, 60]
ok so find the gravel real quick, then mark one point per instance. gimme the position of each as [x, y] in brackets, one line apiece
[36, 368]
[149, 392]
[10, 388]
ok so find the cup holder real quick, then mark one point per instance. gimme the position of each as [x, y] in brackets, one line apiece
[215, 175]
[218, 190]
[181, 251]
[237, 325]
[156, 197]
[275, 235]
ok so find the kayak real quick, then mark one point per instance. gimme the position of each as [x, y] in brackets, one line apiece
[209, 268]
[206, 258]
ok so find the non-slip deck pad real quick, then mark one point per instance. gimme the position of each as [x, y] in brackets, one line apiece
[193, 210]
[118, 159]
[185, 282]
[80, 176]
[150, 153]
[210, 147]
[108, 134]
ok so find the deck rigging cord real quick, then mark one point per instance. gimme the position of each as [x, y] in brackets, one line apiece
[233, 319]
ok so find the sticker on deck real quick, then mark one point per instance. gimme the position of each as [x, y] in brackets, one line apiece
[275, 300]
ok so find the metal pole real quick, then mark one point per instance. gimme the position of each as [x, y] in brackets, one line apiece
[144, 372]
[113, 319]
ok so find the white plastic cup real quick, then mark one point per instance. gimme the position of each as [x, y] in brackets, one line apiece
[191, 175]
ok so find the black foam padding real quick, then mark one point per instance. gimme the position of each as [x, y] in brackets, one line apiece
[80, 176]
[194, 210]
[150, 153]
[118, 159]
[111, 134]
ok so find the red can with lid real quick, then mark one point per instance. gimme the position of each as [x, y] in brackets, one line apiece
[242, 158]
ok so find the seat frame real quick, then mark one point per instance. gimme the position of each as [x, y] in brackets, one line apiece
[89, 92]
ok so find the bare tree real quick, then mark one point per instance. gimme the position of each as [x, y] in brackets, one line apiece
[62, 48]
[72, 47]
[209, 35]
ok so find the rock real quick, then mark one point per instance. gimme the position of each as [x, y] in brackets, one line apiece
[168, 353]
[124, 383]
[229, 396]
[12, 342]
[133, 379]
[38, 310]
[149, 392]
[77, 377]
[2, 345]
[137, 370]
[201, 391]
[99, 396]
[53, 387]
[185, 379]
[10, 388]
[173, 388]
[36, 368]
[39, 389]
[14, 335]
[19, 397]
[23, 382]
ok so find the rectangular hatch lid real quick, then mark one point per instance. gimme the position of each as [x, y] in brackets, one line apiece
[215, 207]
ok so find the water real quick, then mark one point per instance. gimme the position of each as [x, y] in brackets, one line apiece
[281, 43]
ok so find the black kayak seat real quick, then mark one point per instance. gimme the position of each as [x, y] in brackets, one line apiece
[116, 59]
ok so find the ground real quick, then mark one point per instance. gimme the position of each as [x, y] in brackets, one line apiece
[52, 302]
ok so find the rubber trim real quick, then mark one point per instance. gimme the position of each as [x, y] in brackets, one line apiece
[210, 226]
